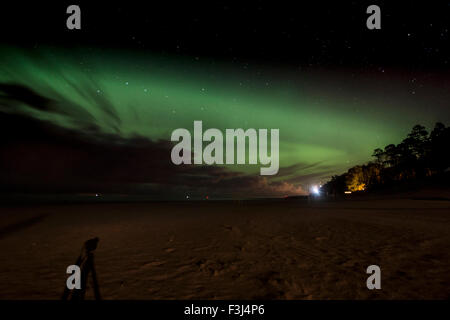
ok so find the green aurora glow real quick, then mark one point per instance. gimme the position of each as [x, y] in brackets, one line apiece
[328, 121]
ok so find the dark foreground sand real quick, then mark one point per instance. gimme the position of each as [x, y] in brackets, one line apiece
[231, 250]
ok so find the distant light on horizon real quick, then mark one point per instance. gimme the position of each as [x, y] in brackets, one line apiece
[315, 190]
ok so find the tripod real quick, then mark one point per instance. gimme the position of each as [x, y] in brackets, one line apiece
[86, 263]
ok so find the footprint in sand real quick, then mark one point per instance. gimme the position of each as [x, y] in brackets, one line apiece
[154, 264]
[145, 266]
[231, 228]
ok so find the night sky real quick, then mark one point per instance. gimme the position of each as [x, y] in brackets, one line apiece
[91, 111]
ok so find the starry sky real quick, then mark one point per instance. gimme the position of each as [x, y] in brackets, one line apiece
[91, 111]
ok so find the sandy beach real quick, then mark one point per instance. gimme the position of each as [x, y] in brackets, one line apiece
[231, 250]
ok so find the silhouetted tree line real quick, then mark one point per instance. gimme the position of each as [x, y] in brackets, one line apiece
[418, 157]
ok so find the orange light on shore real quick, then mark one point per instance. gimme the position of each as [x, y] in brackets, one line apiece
[347, 192]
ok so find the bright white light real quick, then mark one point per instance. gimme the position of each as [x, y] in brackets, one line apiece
[315, 190]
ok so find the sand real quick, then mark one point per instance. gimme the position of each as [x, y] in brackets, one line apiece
[231, 250]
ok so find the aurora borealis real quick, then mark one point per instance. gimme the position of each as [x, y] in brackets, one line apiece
[330, 118]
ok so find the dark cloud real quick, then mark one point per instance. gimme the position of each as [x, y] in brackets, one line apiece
[12, 94]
